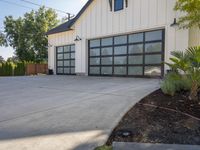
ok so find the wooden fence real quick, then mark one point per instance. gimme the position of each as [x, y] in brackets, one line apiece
[34, 69]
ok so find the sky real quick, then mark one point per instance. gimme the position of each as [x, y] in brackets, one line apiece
[18, 8]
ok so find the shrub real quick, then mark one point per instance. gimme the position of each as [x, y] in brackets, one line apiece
[12, 69]
[19, 69]
[188, 63]
[6, 69]
[174, 82]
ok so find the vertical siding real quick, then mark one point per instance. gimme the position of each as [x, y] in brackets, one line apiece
[194, 37]
[64, 38]
[141, 15]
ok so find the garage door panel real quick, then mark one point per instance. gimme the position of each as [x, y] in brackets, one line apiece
[152, 71]
[153, 59]
[107, 41]
[120, 40]
[105, 51]
[106, 60]
[153, 47]
[120, 50]
[135, 70]
[135, 49]
[138, 54]
[120, 60]
[154, 35]
[120, 70]
[135, 60]
[136, 38]
[95, 52]
[65, 60]
[106, 70]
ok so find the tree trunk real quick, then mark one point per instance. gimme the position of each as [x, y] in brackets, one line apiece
[194, 91]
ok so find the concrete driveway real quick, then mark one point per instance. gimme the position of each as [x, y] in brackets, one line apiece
[65, 112]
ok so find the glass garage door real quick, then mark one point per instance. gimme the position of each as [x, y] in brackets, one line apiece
[65, 62]
[138, 54]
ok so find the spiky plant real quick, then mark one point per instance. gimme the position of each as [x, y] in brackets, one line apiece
[188, 64]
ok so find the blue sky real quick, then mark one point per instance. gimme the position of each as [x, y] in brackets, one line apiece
[71, 6]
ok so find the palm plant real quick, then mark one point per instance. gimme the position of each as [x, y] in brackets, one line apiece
[193, 72]
[188, 64]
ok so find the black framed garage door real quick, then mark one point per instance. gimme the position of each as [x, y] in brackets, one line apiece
[139, 54]
[65, 60]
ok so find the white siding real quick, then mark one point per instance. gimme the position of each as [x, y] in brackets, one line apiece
[141, 15]
[59, 39]
[194, 35]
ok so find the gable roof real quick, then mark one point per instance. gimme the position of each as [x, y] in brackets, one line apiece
[67, 25]
[61, 28]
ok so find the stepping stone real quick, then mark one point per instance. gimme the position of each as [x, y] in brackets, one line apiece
[145, 146]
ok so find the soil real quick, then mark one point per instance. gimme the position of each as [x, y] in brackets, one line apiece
[159, 118]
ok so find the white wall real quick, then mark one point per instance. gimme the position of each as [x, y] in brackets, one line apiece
[141, 15]
[194, 36]
[59, 39]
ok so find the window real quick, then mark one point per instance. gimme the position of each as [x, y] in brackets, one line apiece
[119, 4]
[136, 54]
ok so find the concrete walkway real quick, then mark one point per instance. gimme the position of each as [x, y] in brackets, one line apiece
[144, 146]
[64, 112]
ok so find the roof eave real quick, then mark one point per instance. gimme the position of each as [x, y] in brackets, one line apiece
[58, 32]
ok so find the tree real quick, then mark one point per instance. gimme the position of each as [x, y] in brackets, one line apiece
[13, 59]
[27, 35]
[1, 59]
[2, 39]
[191, 8]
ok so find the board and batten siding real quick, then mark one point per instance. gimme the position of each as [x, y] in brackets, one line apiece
[194, 36]
[55, 40]
[140, 15]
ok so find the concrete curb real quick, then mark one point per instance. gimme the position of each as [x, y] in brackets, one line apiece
[147, 146]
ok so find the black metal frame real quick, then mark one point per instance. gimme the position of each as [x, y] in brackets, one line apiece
[143, 54]
[70, 60]
[115, 6]
[110, 2]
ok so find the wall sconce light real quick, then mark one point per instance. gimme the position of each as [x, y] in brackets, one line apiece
[49, 45]
[174, 24]
[77, 39]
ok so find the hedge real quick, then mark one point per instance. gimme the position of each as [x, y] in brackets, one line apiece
[19, 69]
[11, 69]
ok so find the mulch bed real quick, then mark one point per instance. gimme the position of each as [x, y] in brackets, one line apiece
[159, 118]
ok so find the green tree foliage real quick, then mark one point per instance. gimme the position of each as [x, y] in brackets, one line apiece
[3, 41]
[191, 8]
[13, 59]
[27, 34]
[187, 64]
[1, 59]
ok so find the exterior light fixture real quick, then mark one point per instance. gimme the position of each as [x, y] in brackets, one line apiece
[174, 24]
[126, 3]
[77, 39]
[49, 45]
